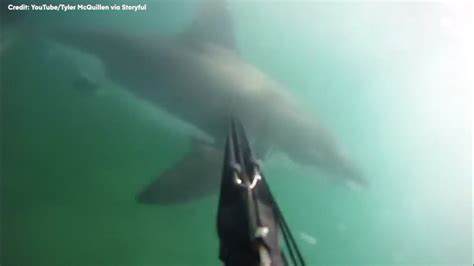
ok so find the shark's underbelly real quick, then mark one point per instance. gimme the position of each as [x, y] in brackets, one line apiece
[204, 90]
[201, 103]
[196, 100]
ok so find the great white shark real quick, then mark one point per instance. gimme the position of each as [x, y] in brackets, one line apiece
[199, 77]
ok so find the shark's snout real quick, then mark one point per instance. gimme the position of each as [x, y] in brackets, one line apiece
[334, 162]
[353, 177]
[347, 170]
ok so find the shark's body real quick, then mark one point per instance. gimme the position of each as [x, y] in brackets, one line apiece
[200, 77]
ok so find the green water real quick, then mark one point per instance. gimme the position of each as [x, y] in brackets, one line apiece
[391, 80]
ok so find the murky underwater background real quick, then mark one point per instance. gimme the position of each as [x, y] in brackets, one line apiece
[392, 80]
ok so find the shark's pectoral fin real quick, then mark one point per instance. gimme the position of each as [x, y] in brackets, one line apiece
[211, 25]
[194, 176]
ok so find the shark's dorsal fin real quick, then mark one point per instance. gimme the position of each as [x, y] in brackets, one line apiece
[212, 25]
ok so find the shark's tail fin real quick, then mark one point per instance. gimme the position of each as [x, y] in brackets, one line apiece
[8, 16]
[13, 13]
[11, 22]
